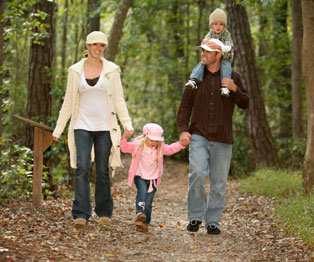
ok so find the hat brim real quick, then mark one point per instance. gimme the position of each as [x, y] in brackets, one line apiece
[155, 138]
[207, 48]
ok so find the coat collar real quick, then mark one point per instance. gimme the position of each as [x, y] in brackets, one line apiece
[108, 66]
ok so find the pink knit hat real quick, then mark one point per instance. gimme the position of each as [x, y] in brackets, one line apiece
[153, 132]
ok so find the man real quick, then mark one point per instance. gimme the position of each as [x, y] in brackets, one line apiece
[210, 135]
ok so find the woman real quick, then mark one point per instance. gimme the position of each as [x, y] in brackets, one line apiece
[93, 99]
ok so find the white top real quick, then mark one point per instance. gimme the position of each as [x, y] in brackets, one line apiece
[93, 106]
[148, 165]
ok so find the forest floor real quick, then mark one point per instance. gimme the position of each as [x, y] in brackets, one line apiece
[249, 232]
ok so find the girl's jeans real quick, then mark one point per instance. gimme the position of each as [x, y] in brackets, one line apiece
[144, 200]
[207, 160]
[198, 71]
[84, 140]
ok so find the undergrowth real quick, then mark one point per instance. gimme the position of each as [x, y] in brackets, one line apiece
[294, 210]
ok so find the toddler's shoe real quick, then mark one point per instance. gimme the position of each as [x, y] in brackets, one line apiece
[225, 91]
[192, 84]
[80, 223]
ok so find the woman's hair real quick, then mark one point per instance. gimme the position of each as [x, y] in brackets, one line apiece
[142, 138]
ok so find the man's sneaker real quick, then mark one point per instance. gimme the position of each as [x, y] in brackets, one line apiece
[213, 230]
[80, 223]
[192, 84]
[104, 221]
[193, 226]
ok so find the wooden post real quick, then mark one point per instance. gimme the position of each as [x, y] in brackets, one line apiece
[42, 140]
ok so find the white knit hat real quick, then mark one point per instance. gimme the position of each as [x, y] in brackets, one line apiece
[218, 16]
[96, 37]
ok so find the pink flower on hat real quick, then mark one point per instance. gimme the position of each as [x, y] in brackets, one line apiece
[153, 132]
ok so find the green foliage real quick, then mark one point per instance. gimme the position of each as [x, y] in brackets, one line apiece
[21, 26]
[291, 153]
[297, 214]
[16, 171]
[294, 210]
[242, 162]
[275, 183]
[16, 177]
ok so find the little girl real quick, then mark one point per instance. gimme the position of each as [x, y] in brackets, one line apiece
[147, 168]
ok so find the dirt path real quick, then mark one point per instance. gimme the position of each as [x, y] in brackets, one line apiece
[248, 231]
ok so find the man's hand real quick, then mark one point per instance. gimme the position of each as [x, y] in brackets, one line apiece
[185, 138]
[227, 82]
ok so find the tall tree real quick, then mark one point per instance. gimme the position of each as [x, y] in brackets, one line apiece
[281, 81]
[93, 15]
[64, 38]
[296, 76]
[40, 66]
[308, 69]
[116, 29]
[1, 63]
[261, 138]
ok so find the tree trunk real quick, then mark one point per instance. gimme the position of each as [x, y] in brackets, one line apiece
[116, 29]
[1, 66]
[296, 76]
[64, 40]
[93, 15]
[282, 85]
[261, 138]
[40, 72]
[308, 69]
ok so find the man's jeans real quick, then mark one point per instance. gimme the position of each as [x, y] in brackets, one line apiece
[102, 144]
[212, 160]
[144, 200]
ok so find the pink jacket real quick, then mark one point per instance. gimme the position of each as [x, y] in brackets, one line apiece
[130, 147]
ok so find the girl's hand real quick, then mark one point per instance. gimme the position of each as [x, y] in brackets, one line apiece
[55, 139]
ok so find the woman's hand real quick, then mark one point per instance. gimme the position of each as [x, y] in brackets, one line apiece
[55, 139]
[127, 134]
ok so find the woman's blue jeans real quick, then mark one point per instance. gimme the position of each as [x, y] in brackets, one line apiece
[144, 200]
[84, 141]
[207, 160]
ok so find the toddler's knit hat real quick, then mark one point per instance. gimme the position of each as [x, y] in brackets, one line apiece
[218, 16]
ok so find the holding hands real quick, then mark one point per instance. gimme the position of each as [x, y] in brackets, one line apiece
[185, 138]
[127, 133]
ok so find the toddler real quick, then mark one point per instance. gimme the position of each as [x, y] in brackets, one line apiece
[147, 168]
[217, 24]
